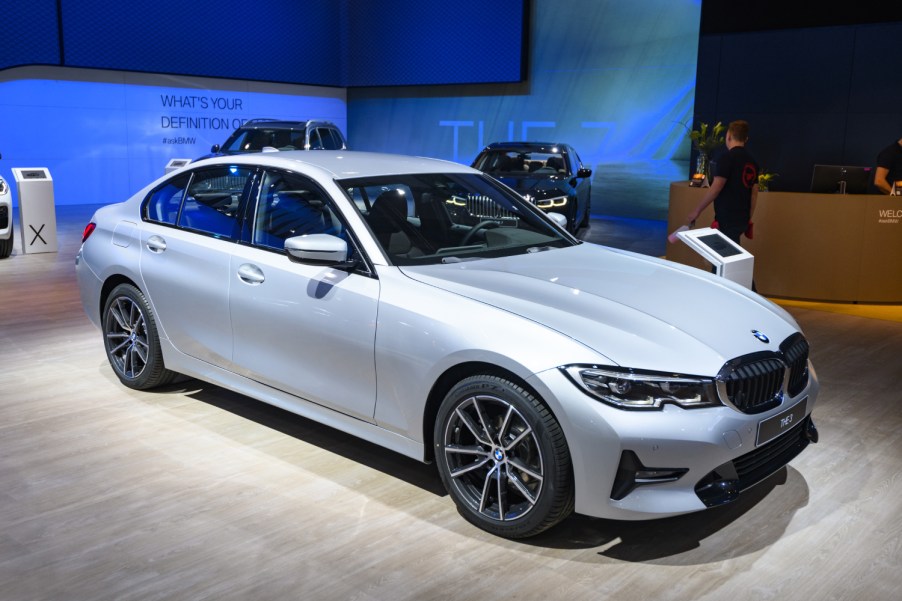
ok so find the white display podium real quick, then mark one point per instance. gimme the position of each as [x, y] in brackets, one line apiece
[730, 260]
[174, 164]
[37, 213]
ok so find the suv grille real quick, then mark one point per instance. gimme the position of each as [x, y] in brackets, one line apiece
[758, 382]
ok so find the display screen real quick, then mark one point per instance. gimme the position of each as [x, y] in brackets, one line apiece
[840, 179]
[719, 245]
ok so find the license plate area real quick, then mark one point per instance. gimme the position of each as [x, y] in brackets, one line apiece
[773, 426]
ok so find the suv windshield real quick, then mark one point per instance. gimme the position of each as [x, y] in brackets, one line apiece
[255, 139]
[257, 134]
[424, 219]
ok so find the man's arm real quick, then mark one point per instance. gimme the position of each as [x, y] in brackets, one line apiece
[716, 186]
[754, 201]
[880, 180]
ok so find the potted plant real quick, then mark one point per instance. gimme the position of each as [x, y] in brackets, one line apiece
[764, 180]
[705, 140]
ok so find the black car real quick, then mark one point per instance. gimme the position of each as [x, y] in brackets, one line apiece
[256, 135]
[549, 175]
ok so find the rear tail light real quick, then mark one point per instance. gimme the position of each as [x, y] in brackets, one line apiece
[89, 229]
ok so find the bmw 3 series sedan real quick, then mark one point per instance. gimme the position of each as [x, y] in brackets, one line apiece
[426, 307]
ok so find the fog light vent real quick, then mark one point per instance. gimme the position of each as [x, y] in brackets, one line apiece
[631, 473]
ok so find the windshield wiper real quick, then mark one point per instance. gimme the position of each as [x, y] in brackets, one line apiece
[453, 259]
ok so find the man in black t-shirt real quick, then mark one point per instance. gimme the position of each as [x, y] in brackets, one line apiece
[734, 190]
[889, 167]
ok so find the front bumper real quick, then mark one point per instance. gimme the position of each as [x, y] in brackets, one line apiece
[679, 460]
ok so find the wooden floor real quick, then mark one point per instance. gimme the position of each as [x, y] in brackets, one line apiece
[195, 492]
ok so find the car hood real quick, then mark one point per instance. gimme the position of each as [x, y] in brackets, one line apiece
[537, 186]
[636, 311]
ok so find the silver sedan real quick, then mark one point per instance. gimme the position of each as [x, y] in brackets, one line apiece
[426, 307]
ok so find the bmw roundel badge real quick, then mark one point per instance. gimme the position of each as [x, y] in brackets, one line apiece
[760, 336]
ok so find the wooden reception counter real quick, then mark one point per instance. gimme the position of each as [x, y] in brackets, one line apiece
[827, 247]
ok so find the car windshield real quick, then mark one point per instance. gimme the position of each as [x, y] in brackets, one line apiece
[535, 163]
[255, 139]
[425, 219]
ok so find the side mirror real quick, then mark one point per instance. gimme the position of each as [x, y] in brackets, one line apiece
[215, 148]
[583, 172]
[319, 249]
[558, 218]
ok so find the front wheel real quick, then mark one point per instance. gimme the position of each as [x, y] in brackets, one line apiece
[131, 341]
[503, 458]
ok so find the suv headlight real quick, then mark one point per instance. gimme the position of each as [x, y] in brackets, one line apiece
[634, 389]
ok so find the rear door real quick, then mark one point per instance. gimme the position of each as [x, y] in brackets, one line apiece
[190, 232]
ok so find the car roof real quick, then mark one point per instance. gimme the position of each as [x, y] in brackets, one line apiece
[282, 124]
[345, 164]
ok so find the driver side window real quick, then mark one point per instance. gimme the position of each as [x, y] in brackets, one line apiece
[291, 205]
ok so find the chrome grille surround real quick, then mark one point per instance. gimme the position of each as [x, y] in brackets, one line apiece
[760, 381]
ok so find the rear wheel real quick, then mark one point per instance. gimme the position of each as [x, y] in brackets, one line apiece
[131, 341]
[503, 458]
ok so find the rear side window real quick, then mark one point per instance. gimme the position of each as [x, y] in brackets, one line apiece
[164, 202]
[213, 199]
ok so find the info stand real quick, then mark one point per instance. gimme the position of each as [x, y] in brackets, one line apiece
[174, 164]
[730, 260]
[37, 214]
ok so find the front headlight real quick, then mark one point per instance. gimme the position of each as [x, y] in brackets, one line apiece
[633, 389]
[547, 203]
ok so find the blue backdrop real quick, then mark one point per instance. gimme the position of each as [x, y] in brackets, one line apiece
[615, 79]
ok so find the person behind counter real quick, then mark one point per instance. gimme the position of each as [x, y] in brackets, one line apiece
[734, 190]
[889, 167]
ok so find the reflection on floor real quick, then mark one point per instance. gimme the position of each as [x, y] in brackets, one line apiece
[644, 236]
[881, 311]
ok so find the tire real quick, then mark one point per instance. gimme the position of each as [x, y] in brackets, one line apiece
[6, 246]
[503, 458]
[131, 341]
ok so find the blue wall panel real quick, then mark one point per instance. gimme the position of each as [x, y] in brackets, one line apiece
[30, 33]
[276, 40]
[318, 42]
[411, 42]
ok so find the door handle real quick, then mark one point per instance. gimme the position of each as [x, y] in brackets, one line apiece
[156, 244]
[250, 274]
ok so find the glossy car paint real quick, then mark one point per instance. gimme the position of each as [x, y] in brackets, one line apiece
[363, 353]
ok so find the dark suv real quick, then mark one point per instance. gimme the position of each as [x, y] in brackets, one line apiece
[549, 175]
[259, 134]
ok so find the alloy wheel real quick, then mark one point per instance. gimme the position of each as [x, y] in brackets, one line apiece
[494, 458]
[126, 334]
